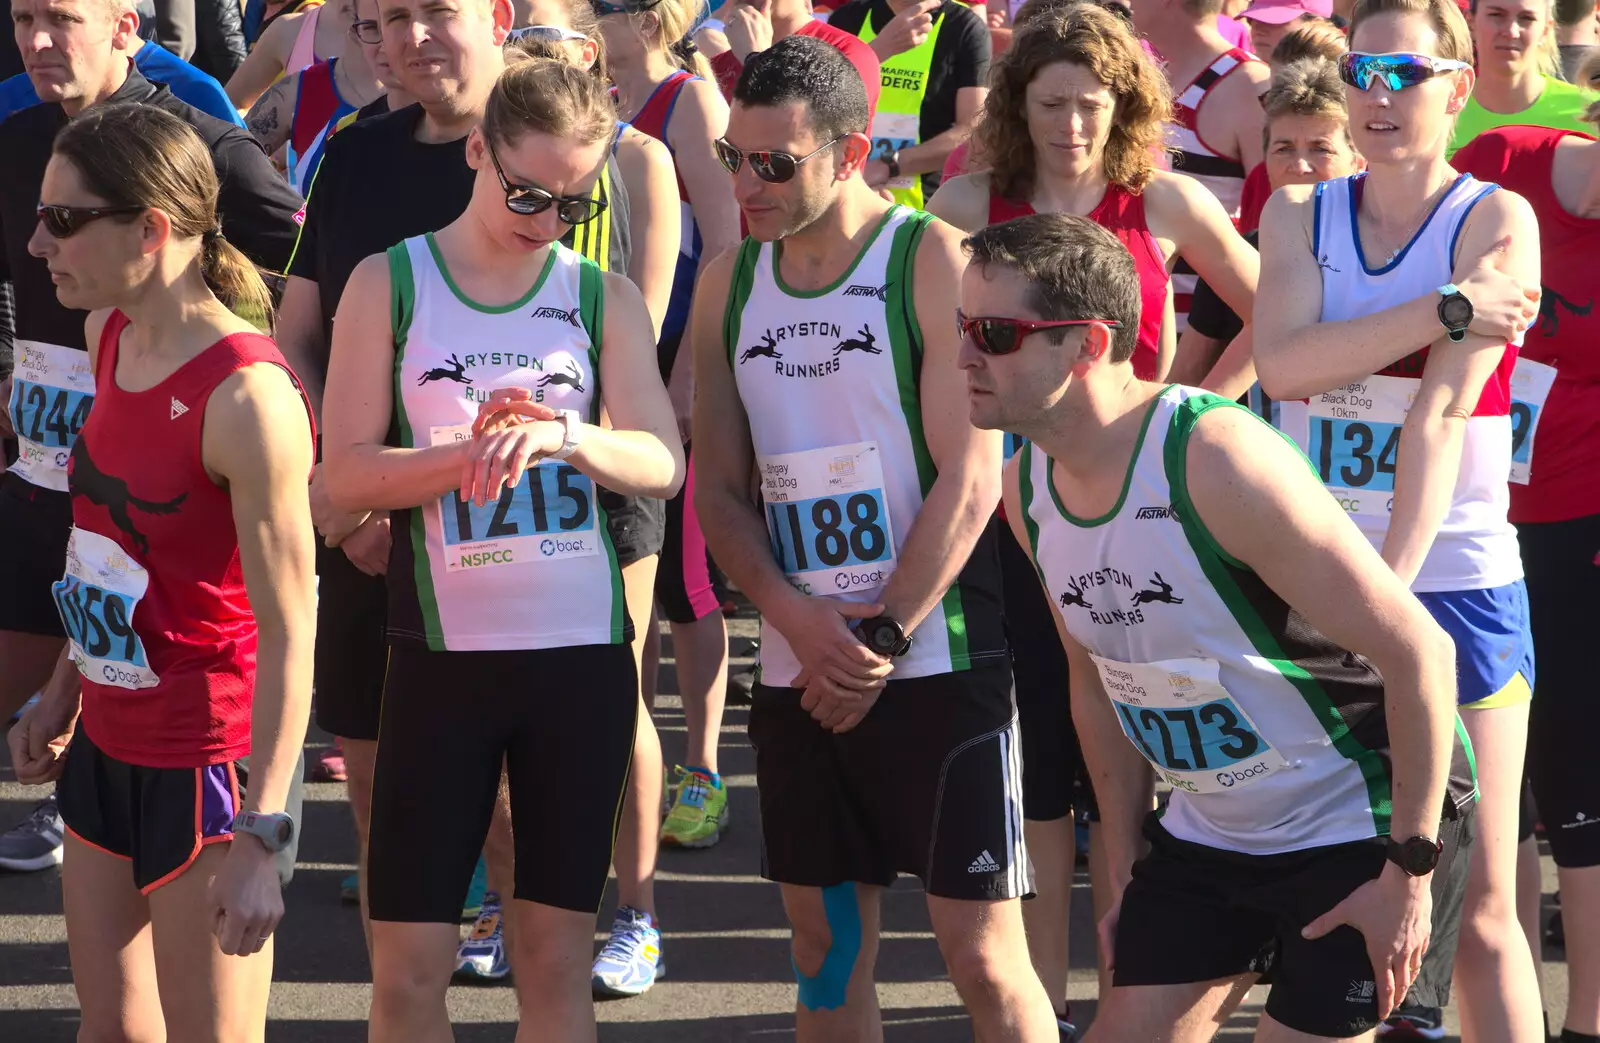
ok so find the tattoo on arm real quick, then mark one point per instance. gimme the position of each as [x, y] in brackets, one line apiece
[263, 120]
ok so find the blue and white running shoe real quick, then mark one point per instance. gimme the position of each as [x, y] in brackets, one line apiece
[482, 954]
[630, 962]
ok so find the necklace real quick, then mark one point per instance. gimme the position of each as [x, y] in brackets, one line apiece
[1428, 203]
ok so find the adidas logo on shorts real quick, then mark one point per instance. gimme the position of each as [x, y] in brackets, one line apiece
[984, 863]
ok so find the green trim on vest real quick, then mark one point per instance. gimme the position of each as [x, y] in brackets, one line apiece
[402, 307]
[1219, 567]
[491, 309]
[739, 290]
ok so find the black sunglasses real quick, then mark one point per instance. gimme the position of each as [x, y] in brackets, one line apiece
[1000, 336]
[601, 8]
[62, 221]
[772, 167]
[528, 200]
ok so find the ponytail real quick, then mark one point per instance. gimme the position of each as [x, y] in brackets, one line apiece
[235, 281]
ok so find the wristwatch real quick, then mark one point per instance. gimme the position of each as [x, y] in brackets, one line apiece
[1455, 311]
[1416, 856]
[571, 433]
[885, 636]
[274, 829]
[892, 161]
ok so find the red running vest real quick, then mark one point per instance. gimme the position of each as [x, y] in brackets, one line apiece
[137, 480]
[1121, 212]
[1566, 457]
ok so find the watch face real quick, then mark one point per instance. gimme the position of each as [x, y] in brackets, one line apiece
[884, 638]
[1420, 857]
[284, 831]
[1456, 311]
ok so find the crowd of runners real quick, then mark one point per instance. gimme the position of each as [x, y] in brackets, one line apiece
[1165, 422]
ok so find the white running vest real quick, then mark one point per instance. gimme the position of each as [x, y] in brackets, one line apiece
[828, 379]
[1272, 737]
[536, 568]
[1352, 433]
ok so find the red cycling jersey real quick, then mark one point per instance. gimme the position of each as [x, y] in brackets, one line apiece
[154, 597]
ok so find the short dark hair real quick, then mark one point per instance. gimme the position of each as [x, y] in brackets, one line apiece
[803, 68]
[1570, 12]
[1077, 270]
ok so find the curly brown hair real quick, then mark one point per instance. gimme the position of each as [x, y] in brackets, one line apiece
[1092, 37]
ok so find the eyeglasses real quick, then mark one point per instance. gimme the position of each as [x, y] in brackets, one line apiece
[602, 8]
[1395, 71]
[62, 221]
[367, 31]
[1000, 336]
[772, 167]
[527, 200]
[544, 34]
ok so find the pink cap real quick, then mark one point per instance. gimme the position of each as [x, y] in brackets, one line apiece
[1281, 12]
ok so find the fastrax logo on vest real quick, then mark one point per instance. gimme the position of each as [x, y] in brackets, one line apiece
[569, 317]
[858, 290]
[776, 341]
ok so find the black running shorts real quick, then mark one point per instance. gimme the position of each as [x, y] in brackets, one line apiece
[157, 819]
[637, 525]
[352, 650]
[36, 524]
[929, 783]
[1194, 913]
[1563, 579]
[561, 720]
[1051, 760]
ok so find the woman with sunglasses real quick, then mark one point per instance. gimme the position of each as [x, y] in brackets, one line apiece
[508, 629]
[1071, 125]
[666, 89]
[188, 597]
[1426, 278]
[1555, 505]
[1519, 72]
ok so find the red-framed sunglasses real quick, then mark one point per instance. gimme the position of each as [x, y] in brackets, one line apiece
[994, 335]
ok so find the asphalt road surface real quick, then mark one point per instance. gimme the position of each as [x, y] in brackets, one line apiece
[728, 976]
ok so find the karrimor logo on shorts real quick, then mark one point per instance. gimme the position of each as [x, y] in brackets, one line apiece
[1361, 992]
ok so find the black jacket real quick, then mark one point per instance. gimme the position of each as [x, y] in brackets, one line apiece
[257, 207]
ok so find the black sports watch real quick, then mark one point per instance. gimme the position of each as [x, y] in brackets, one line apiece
[892, 161]
[885, 636]
[1455, 311]
[1417, 856]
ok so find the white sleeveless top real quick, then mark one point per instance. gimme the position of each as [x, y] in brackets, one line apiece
[536, 568]
[1352, 433]
[830, 382]
[1272, 737]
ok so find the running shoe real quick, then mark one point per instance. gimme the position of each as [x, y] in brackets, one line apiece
[699, 810]
[350, 890]
[1409, 1022]
[1069, 1031]
[330, 766]
[35, 842]
[630, 961]
[482, 954]
[476, 891]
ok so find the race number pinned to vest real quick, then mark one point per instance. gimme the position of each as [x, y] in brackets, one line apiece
[828, 518]
[51, 392]
[897, 123]
[97, 598]
[1530, 386]
[549, 514]
[1355, 441]
[1177, 714]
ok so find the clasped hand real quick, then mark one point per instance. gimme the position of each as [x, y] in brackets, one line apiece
[511, 434]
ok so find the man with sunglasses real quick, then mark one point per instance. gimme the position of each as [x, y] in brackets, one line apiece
[1235, 636]
[78, 54]
[884, 727]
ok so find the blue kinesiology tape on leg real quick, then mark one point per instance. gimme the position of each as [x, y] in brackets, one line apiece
[825, 990]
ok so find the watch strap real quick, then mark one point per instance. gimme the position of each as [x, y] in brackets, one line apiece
[570, 437]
